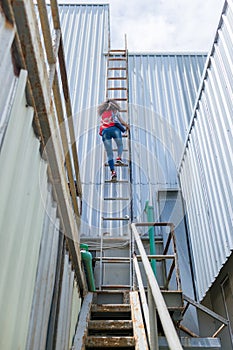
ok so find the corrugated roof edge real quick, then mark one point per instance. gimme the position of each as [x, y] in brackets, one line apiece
[82, 4]
[168, 53]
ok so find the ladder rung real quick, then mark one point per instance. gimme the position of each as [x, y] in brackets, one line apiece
[120, 99]
[118, 181]
[125, 165]
[117, 59]
[117, 88]
[115, 219]
[123, 111]
[116, 68]
[116, 199]
[117, 78]
[121, 50]
[124, 150]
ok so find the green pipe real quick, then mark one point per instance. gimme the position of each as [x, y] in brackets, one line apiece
[149, 209]
[87, 262]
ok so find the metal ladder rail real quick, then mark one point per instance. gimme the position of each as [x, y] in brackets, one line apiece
[119, 56]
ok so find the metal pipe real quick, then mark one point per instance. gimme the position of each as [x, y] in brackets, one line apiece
[87, 261]
[150, 217]
[166, 321]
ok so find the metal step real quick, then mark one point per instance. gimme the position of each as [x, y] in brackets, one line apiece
[110, 342]
[110, 324]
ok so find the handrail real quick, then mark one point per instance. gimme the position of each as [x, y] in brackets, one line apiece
[166, 321]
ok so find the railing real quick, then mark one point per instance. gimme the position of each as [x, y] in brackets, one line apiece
[155, 298]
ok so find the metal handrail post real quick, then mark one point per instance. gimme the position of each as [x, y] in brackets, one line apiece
[166, 321]
[153, 336]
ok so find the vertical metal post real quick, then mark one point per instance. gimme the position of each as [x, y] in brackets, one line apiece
[153, 338]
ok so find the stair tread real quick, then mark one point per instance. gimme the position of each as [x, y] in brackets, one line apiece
[98, 341]
[110, 308]
[110, 324]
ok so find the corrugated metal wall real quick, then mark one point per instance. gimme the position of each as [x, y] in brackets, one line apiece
[21, 220]
[162, 91]
[31, 252]
[45, 279]
[206, 168]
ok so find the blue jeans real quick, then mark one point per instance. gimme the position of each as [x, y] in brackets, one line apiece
[108, 134]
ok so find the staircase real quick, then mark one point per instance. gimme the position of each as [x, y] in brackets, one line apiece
[110, 326]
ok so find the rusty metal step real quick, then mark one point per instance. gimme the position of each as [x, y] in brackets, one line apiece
[110, 308]
[111, 328]
[110, 312]
[109, 342]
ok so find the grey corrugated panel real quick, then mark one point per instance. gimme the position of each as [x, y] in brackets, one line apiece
[7, 34]
[207, 158]
[75, 309]
[44, 285]
[21, 220]
[64, 318]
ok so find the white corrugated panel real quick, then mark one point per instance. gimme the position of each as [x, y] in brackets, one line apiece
[162, 91]
[45, 279]
[7, 34]
[23, 187]
[206, 167]
[85, 30]
[65, 308]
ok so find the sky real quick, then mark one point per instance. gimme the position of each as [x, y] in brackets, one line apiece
[163, 25]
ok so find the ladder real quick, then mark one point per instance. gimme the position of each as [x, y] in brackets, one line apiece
[116, 207]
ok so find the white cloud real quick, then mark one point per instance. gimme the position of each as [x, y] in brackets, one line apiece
[162, 25]
[186, 25]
